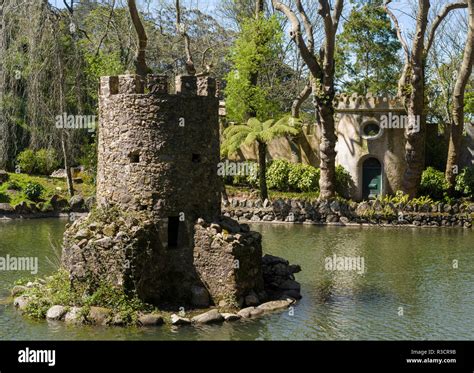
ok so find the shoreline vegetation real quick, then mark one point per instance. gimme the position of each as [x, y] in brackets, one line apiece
[245, 205]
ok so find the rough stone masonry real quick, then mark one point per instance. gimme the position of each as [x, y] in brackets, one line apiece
[158, 230]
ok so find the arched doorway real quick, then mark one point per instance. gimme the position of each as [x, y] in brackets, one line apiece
[371, 178]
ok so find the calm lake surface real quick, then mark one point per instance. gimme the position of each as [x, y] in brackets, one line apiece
[410, 268]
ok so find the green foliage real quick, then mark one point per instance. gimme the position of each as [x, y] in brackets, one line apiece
[465, 182]
[343, 181]
[303, 178]
[422, 200]
[277, 175]
[433, 184]
[399, 198]
[285, 176]
[42, 162]
[244, 179]
[26, 160]
[367, 51]
[257, 46]
[52, 186]
[58, 291]
[46, 161]
[33, 191]
[14, 185]
[238, 135]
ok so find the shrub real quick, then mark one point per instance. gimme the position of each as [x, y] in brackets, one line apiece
[42, 162]
[303, 178]
[252, 179]
[277, 175]
[343, 182]
[433, 183]
[26, 161]
[465, 182]
[33, 190]
[46, 161]
[13, 185]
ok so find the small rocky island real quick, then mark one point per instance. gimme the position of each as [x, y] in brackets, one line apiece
[156, 245]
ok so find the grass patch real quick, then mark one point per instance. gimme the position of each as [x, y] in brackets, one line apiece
[13, 191]
[233, 191]
[57, 290]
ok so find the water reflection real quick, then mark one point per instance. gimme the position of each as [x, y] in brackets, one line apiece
[405, 268]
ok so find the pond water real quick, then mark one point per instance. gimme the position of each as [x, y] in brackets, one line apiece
[409, 290]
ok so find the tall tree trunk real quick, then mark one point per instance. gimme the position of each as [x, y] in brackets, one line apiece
[415, 132]
[455, 136]
[322, 69]
[327, 179]
[411, 87]
[262, 164]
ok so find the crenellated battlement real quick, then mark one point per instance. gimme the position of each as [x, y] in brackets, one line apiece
[368, 102]
[156, 146]
[185, 85]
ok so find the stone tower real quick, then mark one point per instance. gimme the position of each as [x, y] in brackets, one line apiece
[157, 166]
[159, 151]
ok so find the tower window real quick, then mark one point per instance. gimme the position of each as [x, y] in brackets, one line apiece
[173, 231]
[196, 158]
[134, 157]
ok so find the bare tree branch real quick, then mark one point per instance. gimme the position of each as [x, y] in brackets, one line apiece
[190, 69]
[140, 60]
[400, 37]
[439, 18]
[295, 33]
[298, 101]
[307, 26]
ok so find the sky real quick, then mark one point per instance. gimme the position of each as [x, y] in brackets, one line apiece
[403, 9]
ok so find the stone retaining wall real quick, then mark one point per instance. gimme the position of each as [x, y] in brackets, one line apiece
[342, 213]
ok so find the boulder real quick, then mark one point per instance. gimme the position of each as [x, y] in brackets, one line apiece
[150, 319]
[249, 312]
[230, 225]
[230, 316]
[59, 174]
[178, 320]
[252, 299]
[290, 285]
[99, 315]
[295, 294]
[18, 289]
[56, 313]
[77, 204]
[74, 316]
[6, 208]
[275, 305]
[209, 317]
[58, 203]
[21, 302]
